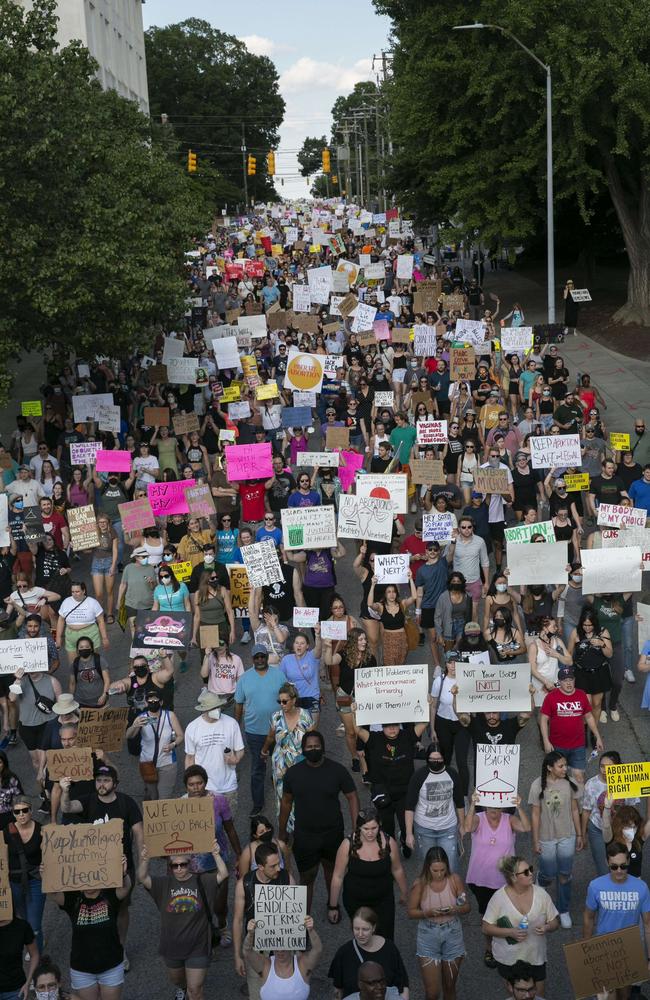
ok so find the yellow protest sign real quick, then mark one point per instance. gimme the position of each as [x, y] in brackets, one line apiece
[628, 781]
[182, 571]
[32, 408]
[314, 248]
[268, 391]
[276, 250]
[577, 481]
[620, 442]
[231, 395]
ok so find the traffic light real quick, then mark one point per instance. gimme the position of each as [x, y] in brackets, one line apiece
[191, 162]
[326, 161]
[252, 165]
[270, 163]
[335, 179]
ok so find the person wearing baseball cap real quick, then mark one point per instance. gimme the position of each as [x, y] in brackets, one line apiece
[256, 699]
[430, 583]
[565, 710]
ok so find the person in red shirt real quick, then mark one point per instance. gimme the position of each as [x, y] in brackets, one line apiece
[416, 548]
[562, 722]
[54, 523]
[252, 495]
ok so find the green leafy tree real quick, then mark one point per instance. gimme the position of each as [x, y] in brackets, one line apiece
[468, 115]
[310, 156]
[218, 96]
[95, 216]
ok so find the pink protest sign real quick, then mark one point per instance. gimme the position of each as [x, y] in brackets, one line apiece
[349, 463]
[113, 461]
[380, 327]
[169, 498]
[136, 514]
[249, 461]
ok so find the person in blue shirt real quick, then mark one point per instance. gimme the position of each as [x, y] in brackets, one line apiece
[270, 293]
[256, 699]
[269, 530]
[639, 491]
[304, 496]
[616, 901]
[431, 583]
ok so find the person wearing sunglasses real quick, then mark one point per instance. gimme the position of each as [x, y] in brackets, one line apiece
[23, 840]
[521, 982]
[616, 901]
[170, 595]
[186, 903]
[288, 726]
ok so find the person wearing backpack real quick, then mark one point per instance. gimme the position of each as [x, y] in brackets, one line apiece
[159, 733]
[89, 680]
[35, 693]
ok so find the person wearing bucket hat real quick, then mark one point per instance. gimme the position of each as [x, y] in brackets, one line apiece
[136, 586]
[215, 742]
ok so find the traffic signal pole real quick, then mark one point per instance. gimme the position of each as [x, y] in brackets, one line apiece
[243, 160]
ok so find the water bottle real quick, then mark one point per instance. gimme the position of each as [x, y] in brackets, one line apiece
[523, 923]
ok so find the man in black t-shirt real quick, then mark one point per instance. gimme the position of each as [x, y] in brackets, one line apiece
[283, 594]
[607, 487]
[16, 936]
[279, 486]
[313, 786]
[491, 727]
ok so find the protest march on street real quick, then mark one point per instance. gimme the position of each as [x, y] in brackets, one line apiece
[275, 576]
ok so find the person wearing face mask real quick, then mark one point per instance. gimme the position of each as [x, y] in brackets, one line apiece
[435, 807]
[214, 741]
[569, 601]
[47, 981]
[209, 565]
[313, 786]
[160, 734]
[136, 586]
[546, 652]
[623, 823]
[110, 492]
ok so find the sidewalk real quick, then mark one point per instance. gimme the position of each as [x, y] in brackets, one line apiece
[29, 376]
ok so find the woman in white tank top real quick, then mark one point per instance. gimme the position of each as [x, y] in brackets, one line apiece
[286, 975]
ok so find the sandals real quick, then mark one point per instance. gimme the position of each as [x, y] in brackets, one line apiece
[110, 619]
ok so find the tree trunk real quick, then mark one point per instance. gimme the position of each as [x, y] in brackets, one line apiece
[634, 217]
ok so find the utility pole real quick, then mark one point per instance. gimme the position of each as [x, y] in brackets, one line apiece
[365, 133]
[243, 160]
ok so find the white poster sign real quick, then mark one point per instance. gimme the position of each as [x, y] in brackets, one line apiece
[392, 693]
[524, 532]
[320, 284]
[611, 571]
[364, 317]
[497, 774]
[29, 655]
[516, 339]
[226, 353]
[304, 372]
[436, 526]
[280, 912]
[84, 452]
[5, 538]
[257, 326]
[470, 331]
[431, 432]
[424, 340]
[305, 617]
[262, 563]
[173, 348]
[334, 630]
[392, 568]
[392, 486]
[374, 272]
[493, 687]
[405, 266]
[308, 528]
[86, 407]
[613, 514]
[385, 399]
[543, 562]
[580, 295]
[109, 418]
[555, 451]
[322, 459]
[643, 611]
[368, 518]
[301, 298]
[182, 371]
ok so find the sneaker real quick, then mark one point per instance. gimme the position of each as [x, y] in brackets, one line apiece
[629, 677]
[406, 850]
[566, 921]
[179, 994]
[414, 508]
[245, 638]
[13, 738]
[340, 730]
[356, 766]
[615, 715]
[603, 718]
[225, 938]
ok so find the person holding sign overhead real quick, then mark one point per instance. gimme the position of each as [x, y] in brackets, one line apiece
[285, 975]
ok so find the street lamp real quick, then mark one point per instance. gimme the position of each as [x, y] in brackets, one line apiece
[550, 239]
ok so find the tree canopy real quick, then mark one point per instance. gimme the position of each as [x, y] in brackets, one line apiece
[210, 85]
[468, 117]
[95, 216]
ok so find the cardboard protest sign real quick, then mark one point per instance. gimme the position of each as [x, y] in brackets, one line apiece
[620, 442]
[538, 563]
[306, 323]
[280, 912]
[576, 481]
[71, 762]
[427, 472]
[523, 532]
[136, 514]
[178, 826]
[431, 432]
[400, 335]
[516, 339]
[602, 964]
[208, 636]
[84, 452]
[162, 630]
[113, 461]
[185, 423]
[169, 498]
[462, 363]
[334, 630]
[454, 303]
[102, 728]
[199, 500]
[368, 518]
[492, 687]
[308, 528]
[392, 568]
[337, 437]
[617, 515]
[82, 856]
[320, 459]
[436, 526]
[304, 371]
[611, 571]
[628, 781]
[239, 589]
[497, 774]
[31, 408]
[156, 416]
[488, 480]
[385, 486]
[29, 655]
[305, 617]
[6, 899]
[555, 451]
[262, 563]
[580, 295]
[248, 461]
[82, 522]
[392, 693]
[157, 374]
